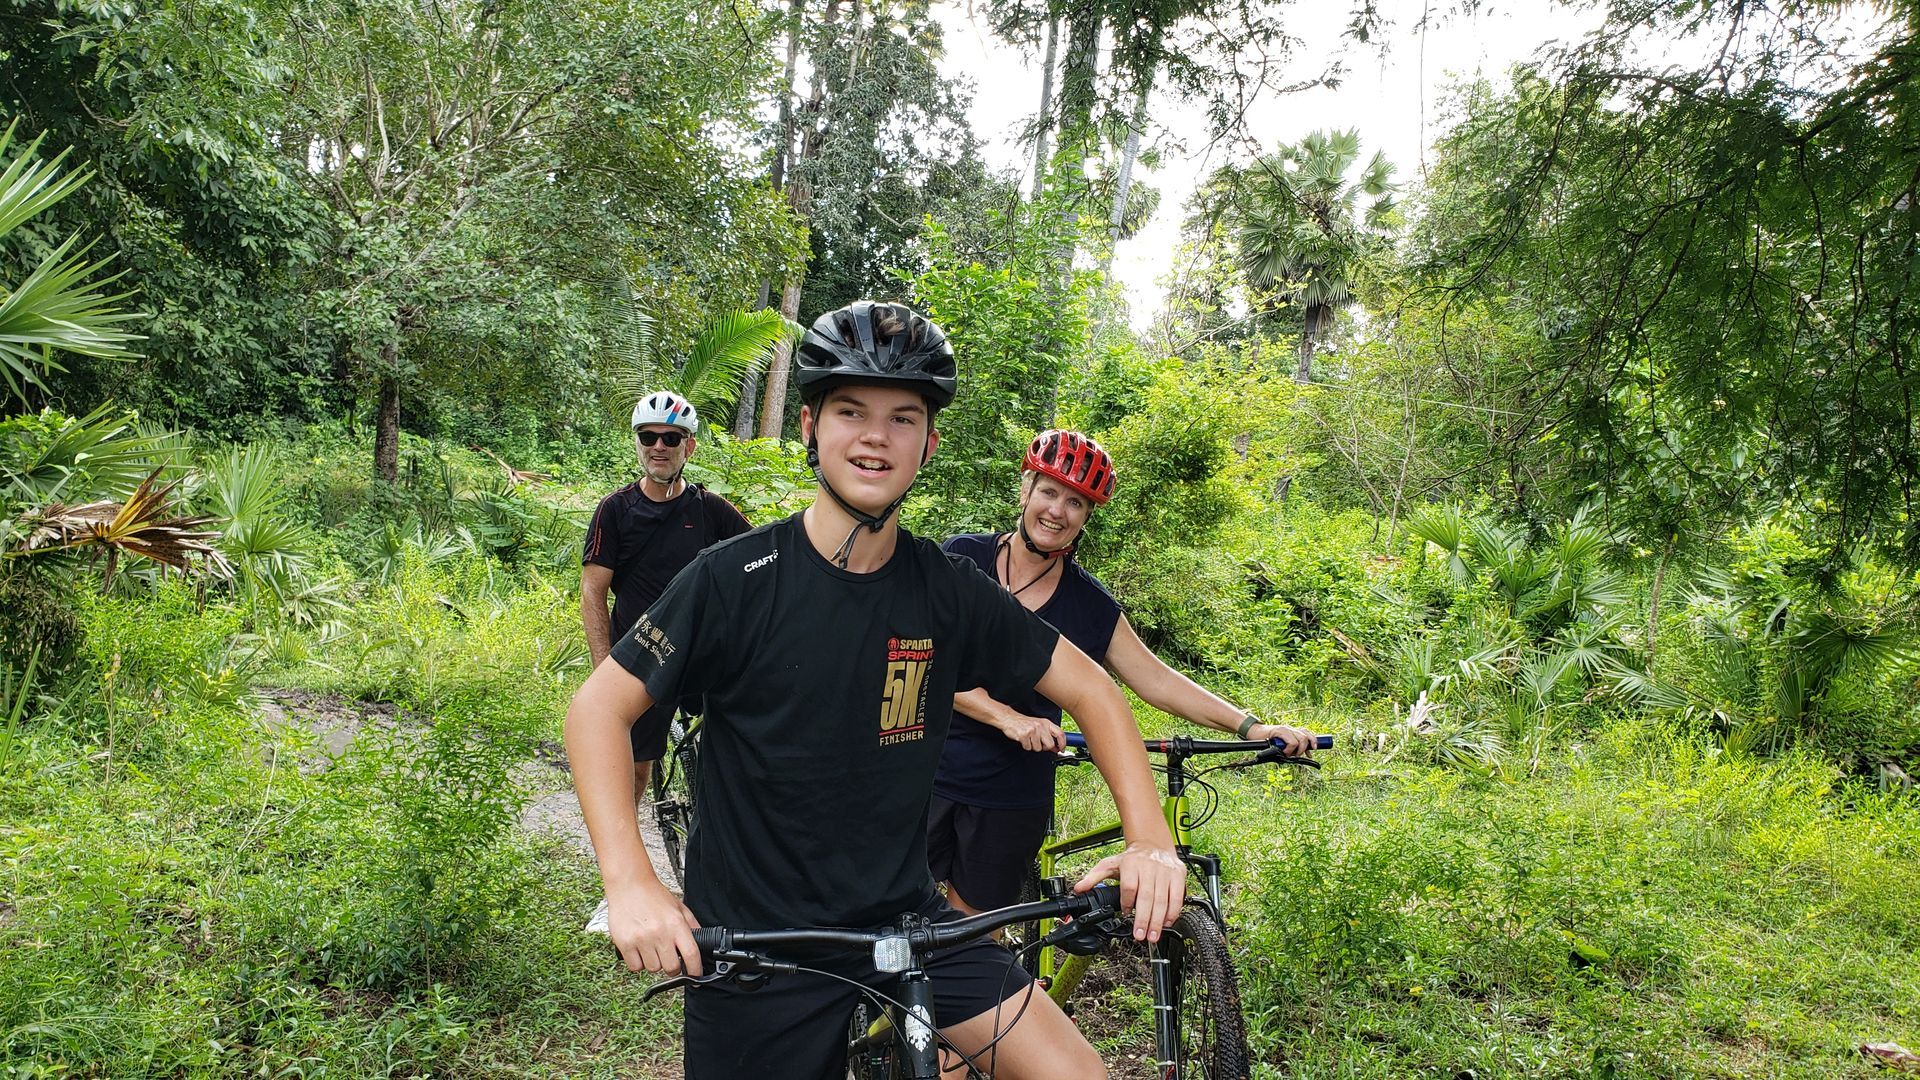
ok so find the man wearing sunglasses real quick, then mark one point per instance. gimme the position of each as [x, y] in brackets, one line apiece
[641, 536]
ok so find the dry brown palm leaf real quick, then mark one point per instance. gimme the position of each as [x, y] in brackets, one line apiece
[515, 477]
[139, 526]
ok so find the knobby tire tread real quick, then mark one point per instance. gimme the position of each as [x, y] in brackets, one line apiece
[672, 784]
[1213, 1015]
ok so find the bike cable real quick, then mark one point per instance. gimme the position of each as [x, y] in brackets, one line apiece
[1208, 806]
[883, 1000]
[1013, 964]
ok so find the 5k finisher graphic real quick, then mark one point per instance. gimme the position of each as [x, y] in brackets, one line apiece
[903, 695]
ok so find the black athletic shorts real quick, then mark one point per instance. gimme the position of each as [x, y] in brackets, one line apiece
[649, 733]
[983, 853]
[795, 1026]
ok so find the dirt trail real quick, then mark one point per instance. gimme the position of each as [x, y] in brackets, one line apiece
[551, 809]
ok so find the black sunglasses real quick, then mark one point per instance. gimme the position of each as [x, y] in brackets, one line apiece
[671, 438]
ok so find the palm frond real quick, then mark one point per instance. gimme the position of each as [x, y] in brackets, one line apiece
[1643, 689]
[29, 185]
[727, 348]
[1579, 540]
[144, 525]
[84, 457]
[1830, 645]
[60, 307]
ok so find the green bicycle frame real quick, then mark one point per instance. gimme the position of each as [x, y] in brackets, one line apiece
[1061, 972]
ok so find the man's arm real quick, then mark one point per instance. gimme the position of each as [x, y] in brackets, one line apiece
[1153, 881]
[1172, 692]
[648, 924]
[1031, 732]
[595, 580]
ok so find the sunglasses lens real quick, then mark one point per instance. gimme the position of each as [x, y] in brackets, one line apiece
[671, 438]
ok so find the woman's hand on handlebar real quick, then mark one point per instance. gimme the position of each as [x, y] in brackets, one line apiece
[1035, 733]
[1298, 742]
[652, 929]
[1153, 883]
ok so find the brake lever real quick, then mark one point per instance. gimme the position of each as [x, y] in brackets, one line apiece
[726, 969]
[1089, 933]
[721, 972]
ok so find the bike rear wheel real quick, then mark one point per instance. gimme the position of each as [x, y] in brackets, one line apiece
[672, 785]
[1209, 1032]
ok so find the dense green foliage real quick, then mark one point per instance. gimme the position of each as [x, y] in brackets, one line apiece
[1588, 530]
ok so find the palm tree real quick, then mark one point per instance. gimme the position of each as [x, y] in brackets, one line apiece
[60, 305]
[1301, 226]
[52, 487]
[710, 373]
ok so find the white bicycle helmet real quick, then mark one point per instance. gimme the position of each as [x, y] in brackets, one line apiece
[666, 407]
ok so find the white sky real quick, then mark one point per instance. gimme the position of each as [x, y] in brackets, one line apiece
[1381, 95]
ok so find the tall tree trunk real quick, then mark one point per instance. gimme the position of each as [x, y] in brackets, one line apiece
[1079, 95]
[1123, 184]
[743, 413]
[795, 11]
[1041, 150]
[773, 414]
[1079, 90]
[1310, 327]
[773, 410]
[747, 406]
[386, 430]
[1653, 603]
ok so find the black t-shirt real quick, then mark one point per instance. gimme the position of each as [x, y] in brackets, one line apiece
[982, 767]
[645, 543]
[828, 697]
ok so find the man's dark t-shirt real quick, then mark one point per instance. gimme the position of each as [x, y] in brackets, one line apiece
[645, 543]
[828, 696]
[982, 767]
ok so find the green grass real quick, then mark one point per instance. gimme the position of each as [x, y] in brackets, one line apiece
[182, 893]
[1649, 907]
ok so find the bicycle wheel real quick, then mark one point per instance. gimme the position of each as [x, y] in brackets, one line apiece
[1210, 1035]
[672, 785]
[871, 1051]
[1019, 935]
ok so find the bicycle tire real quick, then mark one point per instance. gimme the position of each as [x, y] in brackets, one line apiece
[1211, 1033]
[672, 784]
[1017, 936]
[870, 1057]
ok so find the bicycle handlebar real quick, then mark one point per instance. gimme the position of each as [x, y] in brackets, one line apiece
[721, 942]
[1185, 745]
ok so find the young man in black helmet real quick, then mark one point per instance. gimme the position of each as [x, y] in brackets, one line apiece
[829, 647]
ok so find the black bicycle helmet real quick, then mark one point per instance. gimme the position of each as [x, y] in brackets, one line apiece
[868, 342]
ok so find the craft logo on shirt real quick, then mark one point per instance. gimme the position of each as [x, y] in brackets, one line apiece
[903, 694]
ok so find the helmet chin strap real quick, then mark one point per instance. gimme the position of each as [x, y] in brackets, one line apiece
[862, 520]
[1064, 553]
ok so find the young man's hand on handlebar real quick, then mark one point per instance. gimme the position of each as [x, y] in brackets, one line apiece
[652, 929]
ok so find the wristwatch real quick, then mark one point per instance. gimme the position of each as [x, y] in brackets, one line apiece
[1247, 723]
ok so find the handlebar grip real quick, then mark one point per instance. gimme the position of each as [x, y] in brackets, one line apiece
[1076, 741]
[1323, 742]
[709, 939]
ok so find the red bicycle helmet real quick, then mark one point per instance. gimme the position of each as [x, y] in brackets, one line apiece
[1074, 460]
